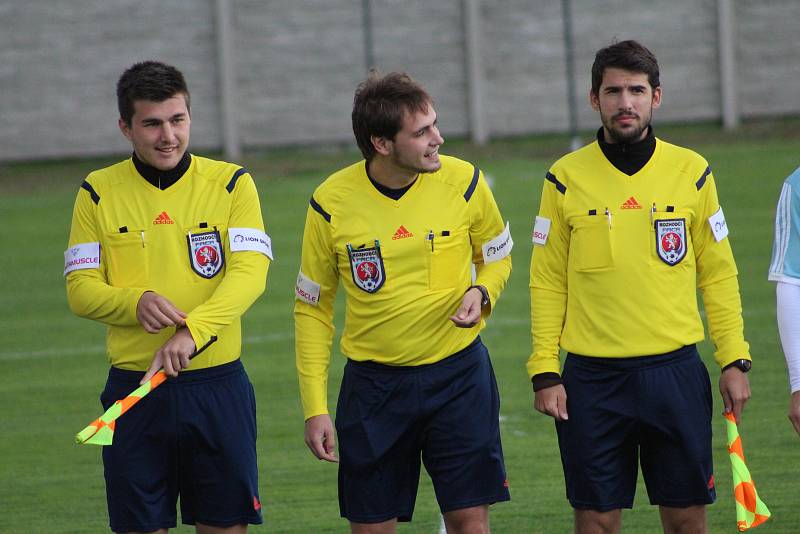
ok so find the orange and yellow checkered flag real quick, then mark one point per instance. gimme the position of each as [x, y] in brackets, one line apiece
[101, 430]
[750, 510]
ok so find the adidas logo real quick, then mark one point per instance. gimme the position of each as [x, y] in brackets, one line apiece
[163, 218]
[631, 204]
[401, 233]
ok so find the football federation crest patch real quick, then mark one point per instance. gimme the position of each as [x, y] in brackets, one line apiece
[671, 240]
[205, 253]
[366, 265]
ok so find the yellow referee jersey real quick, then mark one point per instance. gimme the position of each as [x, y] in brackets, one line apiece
[200, 243]
[404, 266]
[617, 260]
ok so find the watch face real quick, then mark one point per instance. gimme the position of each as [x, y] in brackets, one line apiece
[745, 365]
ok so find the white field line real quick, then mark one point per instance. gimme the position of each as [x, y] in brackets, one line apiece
[101, 349]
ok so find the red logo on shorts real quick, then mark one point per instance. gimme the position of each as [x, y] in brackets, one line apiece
[505, 483]
[711, 482]
[256, 504]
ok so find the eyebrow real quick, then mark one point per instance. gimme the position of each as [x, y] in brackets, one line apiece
[428, 126]
[632, 86]
[155, 120]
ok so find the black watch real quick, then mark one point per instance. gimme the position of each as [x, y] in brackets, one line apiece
[743, 365]
[484, 293]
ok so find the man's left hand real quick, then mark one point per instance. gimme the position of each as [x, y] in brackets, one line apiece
[469, 313]
[173, 355]
[735, 389]
[794, 410]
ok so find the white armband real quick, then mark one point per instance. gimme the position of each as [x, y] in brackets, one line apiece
[541, 229]
[306, 289]
[82, 256]
[250, 239]
[499, 247]
[718, 225]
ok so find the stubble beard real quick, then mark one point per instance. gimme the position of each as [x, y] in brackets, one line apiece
[413, 168]
[626, 137]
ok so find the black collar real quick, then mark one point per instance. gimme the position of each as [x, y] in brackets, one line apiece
[628, 157]
[162, 179]
[394, 194]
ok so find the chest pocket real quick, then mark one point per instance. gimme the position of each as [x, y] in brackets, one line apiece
[590, 244]
[127, 258]
[670, 239]
[450, 256]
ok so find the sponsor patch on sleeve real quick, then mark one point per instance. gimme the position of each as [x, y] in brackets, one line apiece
[250, 239]
[82, 256]
[718, 225]
[306, 289]
[541, 229]
[499, 247]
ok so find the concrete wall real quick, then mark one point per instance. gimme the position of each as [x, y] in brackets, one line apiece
[298, 61]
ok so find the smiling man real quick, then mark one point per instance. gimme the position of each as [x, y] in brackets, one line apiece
[400, 231]
[168, 250]
[629, 227]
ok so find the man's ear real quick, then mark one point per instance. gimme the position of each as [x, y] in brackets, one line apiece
[124, 128]
[382, 145]
[594, 101]
[656, 97]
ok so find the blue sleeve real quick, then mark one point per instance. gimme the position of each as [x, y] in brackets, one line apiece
[785, 263]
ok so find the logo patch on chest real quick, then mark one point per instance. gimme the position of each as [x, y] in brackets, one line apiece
[402, 233]
[205, 253]
[366, 265]
[163, 218]
[631, 204]
[671, 240]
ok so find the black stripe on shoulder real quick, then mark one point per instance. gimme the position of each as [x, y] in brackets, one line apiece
[473, 184]
[92, 192]
[702, 181]
[235, 177]
[550, 177]
[319, 209]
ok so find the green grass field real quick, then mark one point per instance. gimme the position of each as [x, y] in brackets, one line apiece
[52, 364]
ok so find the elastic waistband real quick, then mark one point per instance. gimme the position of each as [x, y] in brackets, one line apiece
[637, 362]
[369, 364]
[184, 377]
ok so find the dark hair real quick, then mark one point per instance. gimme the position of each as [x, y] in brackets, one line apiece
[627, 55]
[148, 80]
[381, 103]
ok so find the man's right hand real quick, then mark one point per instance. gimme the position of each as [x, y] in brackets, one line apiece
[320, 437]
[794, 410]
[552, 401]
[155, 312]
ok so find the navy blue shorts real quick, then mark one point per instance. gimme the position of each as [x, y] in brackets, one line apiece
[446, 413]
[193, 436]
[653, 409]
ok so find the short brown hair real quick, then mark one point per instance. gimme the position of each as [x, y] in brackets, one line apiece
[149, 80]
[628, 55]
[381, 103]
